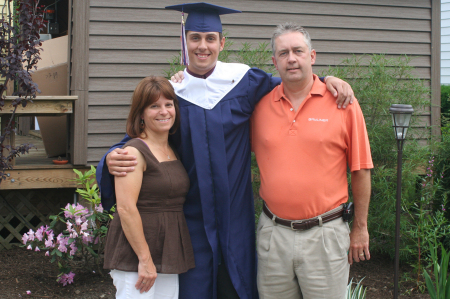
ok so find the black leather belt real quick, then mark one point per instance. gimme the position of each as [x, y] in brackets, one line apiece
[303, 224]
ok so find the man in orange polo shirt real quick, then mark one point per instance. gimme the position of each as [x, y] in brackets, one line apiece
[303, 145]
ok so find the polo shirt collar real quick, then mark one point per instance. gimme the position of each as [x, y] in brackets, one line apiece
[319, 88]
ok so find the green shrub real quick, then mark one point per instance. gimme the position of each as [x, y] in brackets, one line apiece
[379, 82]
[445, 99]
[441, 289]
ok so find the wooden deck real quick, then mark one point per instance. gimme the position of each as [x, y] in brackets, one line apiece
[36, 171]
[36, 156]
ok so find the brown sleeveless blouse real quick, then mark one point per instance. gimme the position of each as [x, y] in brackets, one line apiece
[160, 204]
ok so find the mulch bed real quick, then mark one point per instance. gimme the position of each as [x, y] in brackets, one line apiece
[22, 270]
[378, 274]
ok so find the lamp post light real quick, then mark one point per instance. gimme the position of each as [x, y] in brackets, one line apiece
[401, 115]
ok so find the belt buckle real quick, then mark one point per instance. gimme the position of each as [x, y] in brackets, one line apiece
[294, 222]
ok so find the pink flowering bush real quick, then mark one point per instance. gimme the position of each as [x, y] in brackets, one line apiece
[85, 230]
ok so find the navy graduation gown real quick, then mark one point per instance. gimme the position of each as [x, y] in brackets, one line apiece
[214, 147]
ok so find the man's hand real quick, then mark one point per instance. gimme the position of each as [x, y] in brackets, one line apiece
[359, 237]
[178, 77]
[340, 89]
[119, 162]
[359, 245]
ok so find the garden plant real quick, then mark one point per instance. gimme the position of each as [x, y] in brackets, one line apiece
[356, 292]
[19, 40]
[380, 81]
[441, 288]
[82, 239]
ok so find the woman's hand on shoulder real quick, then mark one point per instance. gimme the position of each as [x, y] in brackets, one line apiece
[147, 275]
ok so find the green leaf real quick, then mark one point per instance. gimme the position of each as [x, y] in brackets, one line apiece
[430, 285]
[77, 172]
[91, 251]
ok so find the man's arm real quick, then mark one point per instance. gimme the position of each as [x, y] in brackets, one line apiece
[340, 89]
[104, 179]
[359, 236]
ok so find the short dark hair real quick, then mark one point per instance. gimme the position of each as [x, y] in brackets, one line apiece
[147, 92]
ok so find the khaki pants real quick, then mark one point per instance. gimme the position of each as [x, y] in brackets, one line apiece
[309, 264]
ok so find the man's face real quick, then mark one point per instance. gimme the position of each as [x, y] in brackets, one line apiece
[203, 50]
[293, 59]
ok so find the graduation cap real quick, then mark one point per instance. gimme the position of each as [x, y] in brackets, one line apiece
[203, 17]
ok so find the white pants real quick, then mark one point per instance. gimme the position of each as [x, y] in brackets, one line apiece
[165, 287]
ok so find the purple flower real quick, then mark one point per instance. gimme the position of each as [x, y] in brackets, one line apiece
[24, 239]
[37, 249]
[66, 278]
[40, 233]
[73, 248]
[62, 244]
[67, 213]
[87, 238]
[70, 277]
[59, 238]
[28, 292]
[47, 253]
[50, 234]
[84, 226]
[30, 235]
[77, 210]
[29, 247]
[49, 243]
[62, 248]
[99, 208]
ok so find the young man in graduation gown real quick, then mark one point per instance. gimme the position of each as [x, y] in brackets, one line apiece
[216, 102]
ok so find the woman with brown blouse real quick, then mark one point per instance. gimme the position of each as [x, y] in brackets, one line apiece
[148, 242]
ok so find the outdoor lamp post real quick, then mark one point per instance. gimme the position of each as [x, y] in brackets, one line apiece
[401, 115]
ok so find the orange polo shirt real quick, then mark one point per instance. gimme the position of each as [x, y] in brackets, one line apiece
[303, 155]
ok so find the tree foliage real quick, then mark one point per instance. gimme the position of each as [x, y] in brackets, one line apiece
[20, 44]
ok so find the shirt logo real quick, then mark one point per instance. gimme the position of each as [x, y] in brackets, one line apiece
[318, 119]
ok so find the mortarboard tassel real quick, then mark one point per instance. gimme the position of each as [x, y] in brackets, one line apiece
[184, 53]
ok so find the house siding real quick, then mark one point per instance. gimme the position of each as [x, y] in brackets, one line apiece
[445, 41]
[129, 40]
